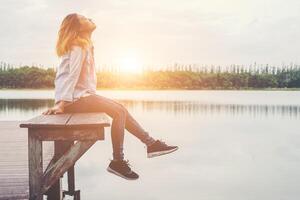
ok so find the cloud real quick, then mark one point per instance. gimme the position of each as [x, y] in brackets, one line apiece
[208, 32]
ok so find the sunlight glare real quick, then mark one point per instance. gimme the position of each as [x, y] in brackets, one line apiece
[130, 63]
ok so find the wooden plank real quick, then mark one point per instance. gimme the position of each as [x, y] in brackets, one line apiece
[71, 179]
[82, 133]
[35, 161]
[14, 160]
[68, 120]
[47, 120]
[55, 192]
[52, 162]
[64, 163]
[60, 147]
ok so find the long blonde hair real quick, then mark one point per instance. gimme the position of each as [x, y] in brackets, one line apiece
[69, 35]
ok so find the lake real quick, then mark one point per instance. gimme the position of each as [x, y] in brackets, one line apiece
[232, 145]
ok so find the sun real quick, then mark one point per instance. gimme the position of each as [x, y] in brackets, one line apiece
[130, 63]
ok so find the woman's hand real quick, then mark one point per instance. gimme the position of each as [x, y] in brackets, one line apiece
[56, 109]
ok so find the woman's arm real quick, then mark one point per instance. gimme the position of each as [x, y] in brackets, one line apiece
[76, 60]
[66, 90]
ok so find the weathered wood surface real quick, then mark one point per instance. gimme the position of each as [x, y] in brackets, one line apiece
[14, 160]
[96, 133]
[14, 149]
[60, 147]
[85, 128]
[68, 120]
[64, 163]
[35, 157]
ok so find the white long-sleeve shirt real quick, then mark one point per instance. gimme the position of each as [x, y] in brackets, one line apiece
[75, 76]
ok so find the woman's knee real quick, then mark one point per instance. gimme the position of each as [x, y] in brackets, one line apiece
[120, 111]
[123, 110]
[122, 107]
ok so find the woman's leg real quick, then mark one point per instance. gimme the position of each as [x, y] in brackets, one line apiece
[116, 112]
[131, 125]
[136, 129]
[121, 119]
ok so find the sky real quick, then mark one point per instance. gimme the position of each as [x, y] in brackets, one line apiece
[157, 32]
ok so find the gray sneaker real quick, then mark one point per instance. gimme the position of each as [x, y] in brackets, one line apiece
[121, 168]
[159, 148]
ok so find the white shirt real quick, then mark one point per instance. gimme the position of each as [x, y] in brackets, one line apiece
[75, 76]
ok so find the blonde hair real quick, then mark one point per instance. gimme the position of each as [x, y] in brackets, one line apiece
[69, 35]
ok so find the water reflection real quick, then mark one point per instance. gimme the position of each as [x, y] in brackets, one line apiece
[24, 104]
[195, 107]
[245, 145]
[19, 108]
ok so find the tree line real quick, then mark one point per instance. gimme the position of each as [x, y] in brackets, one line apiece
[233, 77]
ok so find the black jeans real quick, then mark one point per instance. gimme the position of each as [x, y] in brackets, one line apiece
[121, 119]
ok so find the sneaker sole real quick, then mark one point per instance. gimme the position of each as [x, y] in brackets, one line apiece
[154, 154]
[118, 174]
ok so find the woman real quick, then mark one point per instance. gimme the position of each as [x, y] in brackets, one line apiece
[75, 91]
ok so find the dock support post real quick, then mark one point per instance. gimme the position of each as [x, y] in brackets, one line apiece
[35, 161]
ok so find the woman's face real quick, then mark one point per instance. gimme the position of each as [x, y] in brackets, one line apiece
[86, 24]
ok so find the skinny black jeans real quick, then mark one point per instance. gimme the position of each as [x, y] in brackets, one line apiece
[121, 119]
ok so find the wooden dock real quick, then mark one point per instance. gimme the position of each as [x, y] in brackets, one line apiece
[22, 175]
[14, 160]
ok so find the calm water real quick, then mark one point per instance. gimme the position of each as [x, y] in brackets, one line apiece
[233, 144]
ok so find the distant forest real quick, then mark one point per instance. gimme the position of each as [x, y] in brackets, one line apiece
[175, 77]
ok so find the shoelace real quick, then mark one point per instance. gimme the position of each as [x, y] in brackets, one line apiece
[162, 142]
[125, 164]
